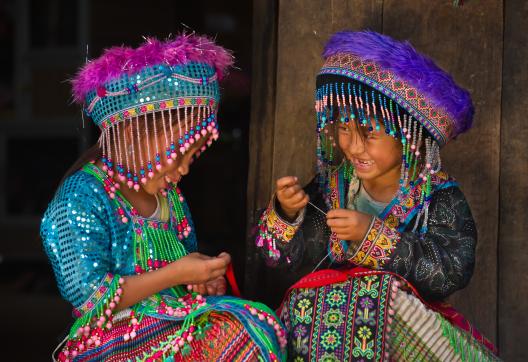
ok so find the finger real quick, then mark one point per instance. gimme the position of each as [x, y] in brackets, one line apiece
[286, 181]
[202, 289]
[225, 256]
[301, 204]
[339, 213]
[211, 289]
[290, 191]
[297, 197]
[221, 288]
[341, 222]
[218, 263]
[218, 273]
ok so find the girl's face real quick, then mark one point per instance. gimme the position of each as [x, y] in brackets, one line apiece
[375, 155]
[170, 172]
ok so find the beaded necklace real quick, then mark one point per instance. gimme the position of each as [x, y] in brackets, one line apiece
[156, 243]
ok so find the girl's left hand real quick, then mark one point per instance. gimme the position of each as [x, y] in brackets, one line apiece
[348, 224]
[216, 286]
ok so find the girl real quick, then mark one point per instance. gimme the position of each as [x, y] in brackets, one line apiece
[118, 231]
[393, 226]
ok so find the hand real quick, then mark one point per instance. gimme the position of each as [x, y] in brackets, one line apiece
[348, 224]
[291, 196]
[216, 286]
[197, 268]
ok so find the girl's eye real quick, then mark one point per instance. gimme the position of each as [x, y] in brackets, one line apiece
[343, 129]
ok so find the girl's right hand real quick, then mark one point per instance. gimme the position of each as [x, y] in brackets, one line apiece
[291, 196]
[197, 268]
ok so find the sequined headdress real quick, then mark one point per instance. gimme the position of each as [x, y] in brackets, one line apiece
[374, 80]
[173, 78]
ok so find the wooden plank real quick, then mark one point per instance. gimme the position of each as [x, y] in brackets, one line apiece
[260, 131]
[467, 42]
[303, 28]
[513, 248]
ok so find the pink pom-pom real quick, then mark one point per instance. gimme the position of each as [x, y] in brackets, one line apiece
[112, 305]
[197, 136]
[124, 219]
[108, 312]
[170, 161]
[97, 343]
[119, 291]
[182, 149]
[174, 155]
[143, 180]
[130, 184]
[122, 178]
[74, 353]
[108, 325]
[110, 172]
[126, 336]
[136, 187]
[151, 174]
[203, 132]
[158, 167]
[191, 140]
[133, 334]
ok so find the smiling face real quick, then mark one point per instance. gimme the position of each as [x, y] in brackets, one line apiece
[375, 155]
[168, 170]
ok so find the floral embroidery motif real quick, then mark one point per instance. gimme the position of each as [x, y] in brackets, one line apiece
[347, 320]
[331, 339]
[334, 318]
[335, 298]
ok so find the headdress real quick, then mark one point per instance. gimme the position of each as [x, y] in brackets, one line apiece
[127, 90]
[368, 76]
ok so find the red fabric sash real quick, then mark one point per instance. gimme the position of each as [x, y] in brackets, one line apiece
[230, 275]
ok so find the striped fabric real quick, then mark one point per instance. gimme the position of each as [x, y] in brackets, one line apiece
[420, 334]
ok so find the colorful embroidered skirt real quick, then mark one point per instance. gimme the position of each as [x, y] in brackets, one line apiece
[364, 315]
[227, 329]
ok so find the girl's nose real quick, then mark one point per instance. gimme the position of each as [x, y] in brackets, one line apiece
[183, 167]
[357, 144]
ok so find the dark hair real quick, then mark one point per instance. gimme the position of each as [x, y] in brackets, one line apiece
[91, 154]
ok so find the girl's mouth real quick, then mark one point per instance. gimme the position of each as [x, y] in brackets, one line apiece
[362, 165]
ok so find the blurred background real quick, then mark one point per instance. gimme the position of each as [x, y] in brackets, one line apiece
[42, 44]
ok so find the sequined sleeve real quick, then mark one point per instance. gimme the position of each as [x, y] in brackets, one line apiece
[437, 263]
[77, 237]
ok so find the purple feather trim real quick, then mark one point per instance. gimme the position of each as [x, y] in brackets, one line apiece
[409, 65]
[118, 60]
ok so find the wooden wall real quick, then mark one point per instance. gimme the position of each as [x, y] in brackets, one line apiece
[484, 45]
